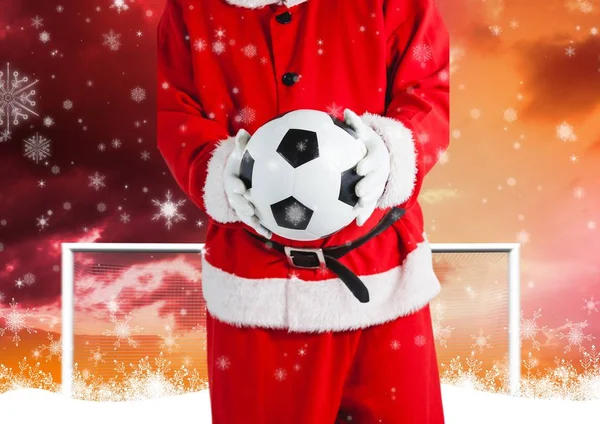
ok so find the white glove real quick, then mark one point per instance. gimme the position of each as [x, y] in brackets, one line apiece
[374, 167]
[235, 189]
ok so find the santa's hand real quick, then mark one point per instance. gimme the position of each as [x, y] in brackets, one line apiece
[236, 189]
[374, 167]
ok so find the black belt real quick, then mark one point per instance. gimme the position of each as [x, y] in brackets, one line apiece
[311, 258]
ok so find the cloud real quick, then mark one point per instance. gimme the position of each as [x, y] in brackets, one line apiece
[559, 86]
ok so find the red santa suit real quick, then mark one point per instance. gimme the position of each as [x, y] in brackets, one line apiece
[288, 344]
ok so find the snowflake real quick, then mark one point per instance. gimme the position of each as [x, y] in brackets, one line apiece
[68, 105]
[334, 109]
[4, 135]
[44, 36]
[29, 279]
[530, 329]
[579, 193]
[295, 214]
[591, 360]
[570, 51]
[125, 218]
[575, 336]
[523, 237]
[249, 50]
[116, 143]
[42, 222]
[200, 45]
[420, 340]
[585, 6]
[145, 155]
[169, 340]
[395, 345]
[440, 333]
[14, 322]
[590, 305]
[54, 348]
[112, 306]
[246, 115]
[218, 47]
[101, 207]
[442, 156]
[475, 113]
[422, 54]
[514, 24]
[97, 181]
[280, 374]
[55, 169]
[495, 30]
[138, 94]
[37, 148]
[301, 146]
[120, 5]
[37, 22]
[220, 33]
[122, 331]
[2, 297]
[223, 363]
[481, 341]
[112, 40]
[97, 356]
[565, 132]
[16, 100]
[510, 115]
[48, 121]
[169, 210]
[1, 250]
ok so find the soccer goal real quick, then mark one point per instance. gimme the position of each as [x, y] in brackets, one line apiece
[478, 310]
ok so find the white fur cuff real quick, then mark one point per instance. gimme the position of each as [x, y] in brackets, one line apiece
[403, 158]
[215, 198]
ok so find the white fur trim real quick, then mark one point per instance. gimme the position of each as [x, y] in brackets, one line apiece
[403, 159]
[215, 198]
[320, 306]
[255, 4]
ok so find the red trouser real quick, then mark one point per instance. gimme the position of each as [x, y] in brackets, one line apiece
[382, 374]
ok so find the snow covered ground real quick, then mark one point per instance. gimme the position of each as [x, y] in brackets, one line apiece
[463, 406]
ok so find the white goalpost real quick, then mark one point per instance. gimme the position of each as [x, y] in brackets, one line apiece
[512, 250]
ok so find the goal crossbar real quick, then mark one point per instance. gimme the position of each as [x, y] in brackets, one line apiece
[68, 301]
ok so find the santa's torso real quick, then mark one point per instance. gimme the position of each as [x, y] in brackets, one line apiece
[252, 64]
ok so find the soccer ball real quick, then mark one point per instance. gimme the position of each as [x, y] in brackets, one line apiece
[299, 170]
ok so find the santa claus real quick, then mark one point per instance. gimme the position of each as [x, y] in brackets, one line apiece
[336, 330]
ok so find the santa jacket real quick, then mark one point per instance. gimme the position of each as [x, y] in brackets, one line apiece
[230, 64]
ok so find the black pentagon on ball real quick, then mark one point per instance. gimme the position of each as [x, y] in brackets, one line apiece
[348, 186]
[292, 214]
[299, 147]
[339, 123]
[246, 168]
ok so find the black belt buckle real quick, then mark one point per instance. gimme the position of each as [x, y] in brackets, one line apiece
[305, 257]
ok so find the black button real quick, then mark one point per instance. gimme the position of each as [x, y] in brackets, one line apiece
[284, 18]
[290, 78]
